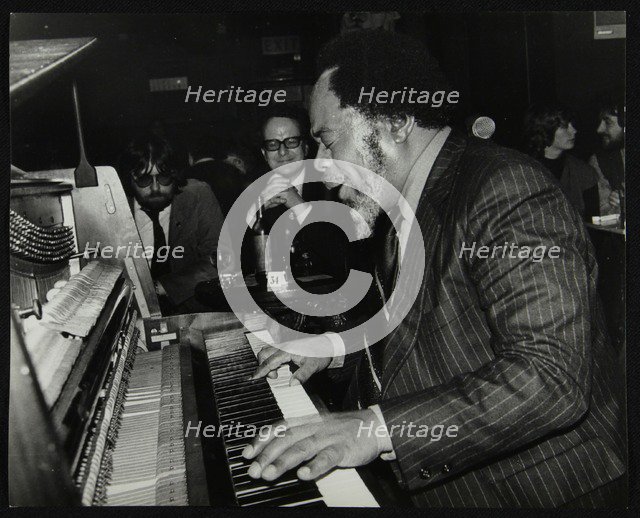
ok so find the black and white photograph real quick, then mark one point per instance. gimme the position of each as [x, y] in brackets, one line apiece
[340, 259]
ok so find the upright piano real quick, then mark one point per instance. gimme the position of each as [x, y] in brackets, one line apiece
[106, 394]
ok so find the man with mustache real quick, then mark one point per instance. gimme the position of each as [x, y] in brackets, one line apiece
[509, 353]
[172, 212]
[609, 161]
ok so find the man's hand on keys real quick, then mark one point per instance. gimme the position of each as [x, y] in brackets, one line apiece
[271, 358]
[341, 439]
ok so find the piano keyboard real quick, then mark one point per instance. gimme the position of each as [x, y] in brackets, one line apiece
[262, 402]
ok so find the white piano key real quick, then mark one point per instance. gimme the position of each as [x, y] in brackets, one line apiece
[342, 487]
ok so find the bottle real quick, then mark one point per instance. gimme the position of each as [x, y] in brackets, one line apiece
[261, 252]
[306, 264]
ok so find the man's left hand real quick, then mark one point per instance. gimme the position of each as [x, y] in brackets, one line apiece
[342, 439]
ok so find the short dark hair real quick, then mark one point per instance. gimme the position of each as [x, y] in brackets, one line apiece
[385, 61]
[201, 144]
[242, 152]
[613, 104]
[540, 125]
[286, 111]
[146, 150]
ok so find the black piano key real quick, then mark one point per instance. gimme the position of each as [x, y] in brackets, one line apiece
[241, 402]
[243, 480]
[261, 403]
[256, 421]
[262, 486]
[240, 348]
[222, 402]
[314, 502]
[230, 371]
[281, 495]
[245, 357]
[262, 420]
[245, 393]
[240, 353]
[240, 388]
[245, 486]
[228, 378]
[230, 366]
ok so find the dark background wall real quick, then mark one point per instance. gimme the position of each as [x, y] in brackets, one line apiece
[500, 62]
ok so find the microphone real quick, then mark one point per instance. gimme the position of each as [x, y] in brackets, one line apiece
[482, 127]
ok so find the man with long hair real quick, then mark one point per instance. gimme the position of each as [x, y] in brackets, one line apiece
[609, 162]
[549, 136]
[180, 219]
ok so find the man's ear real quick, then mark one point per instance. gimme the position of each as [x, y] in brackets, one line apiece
[264, 154]
[238, 162]
[400, 127]
[305, 148]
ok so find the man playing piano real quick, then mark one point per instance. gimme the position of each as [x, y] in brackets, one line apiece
[508, 352]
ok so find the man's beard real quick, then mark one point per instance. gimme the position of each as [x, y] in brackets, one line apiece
[610, 144]
[364, 200]
[368, 209]
[155, 202]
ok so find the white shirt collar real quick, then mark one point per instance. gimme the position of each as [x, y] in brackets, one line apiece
[298, 181]
[421, 169]
[145, 225]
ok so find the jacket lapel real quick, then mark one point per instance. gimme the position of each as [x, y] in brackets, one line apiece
[176, 219]
[430, 214]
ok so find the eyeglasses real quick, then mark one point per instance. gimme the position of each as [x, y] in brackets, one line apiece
[145, 180]
[274, 144]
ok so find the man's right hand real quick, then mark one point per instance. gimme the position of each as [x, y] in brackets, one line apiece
[271, 358]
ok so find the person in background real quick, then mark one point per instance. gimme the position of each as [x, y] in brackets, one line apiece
[171, 211]
[549, 133]
[285, 134]
[285, 131]
[241, 158]
[609, 161]
[512, 353]
[223, 178]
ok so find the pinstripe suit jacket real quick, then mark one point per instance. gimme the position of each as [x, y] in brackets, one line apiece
[510, 350]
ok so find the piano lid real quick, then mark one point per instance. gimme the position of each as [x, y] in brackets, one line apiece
[35, 63]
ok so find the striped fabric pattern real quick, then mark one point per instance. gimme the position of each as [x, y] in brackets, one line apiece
[512, 351]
